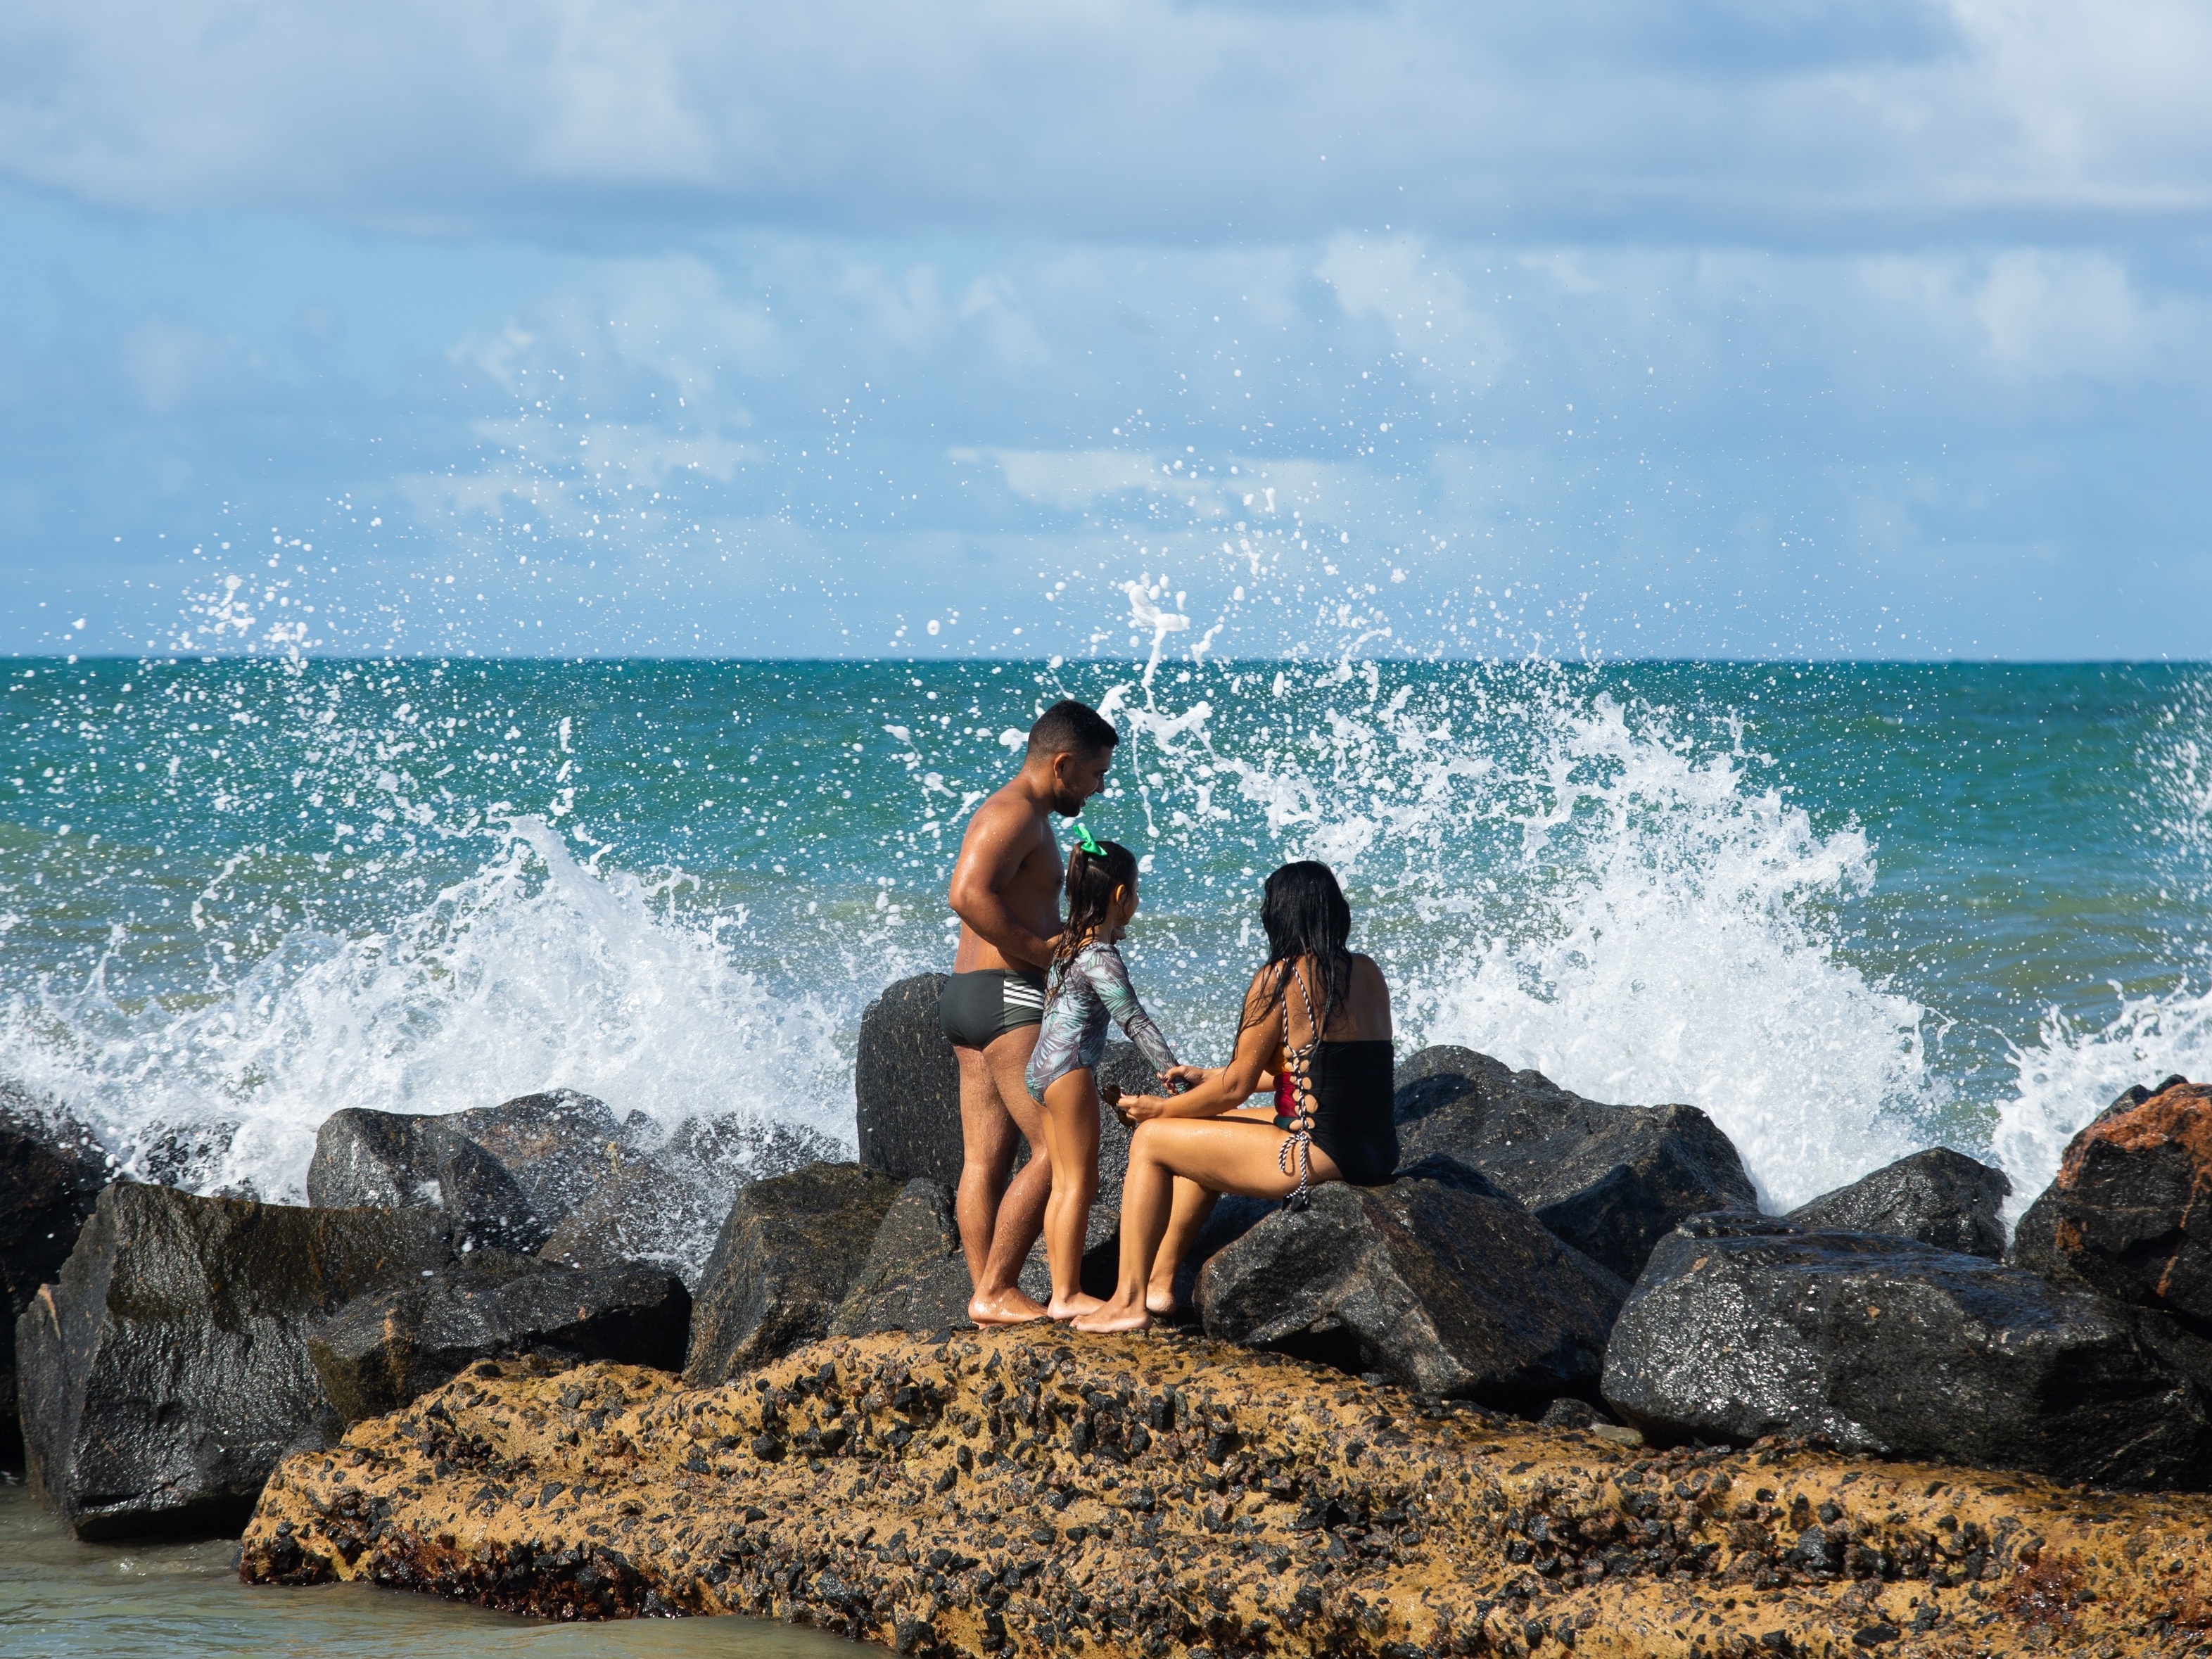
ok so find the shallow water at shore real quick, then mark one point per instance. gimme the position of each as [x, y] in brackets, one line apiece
[60, 1599]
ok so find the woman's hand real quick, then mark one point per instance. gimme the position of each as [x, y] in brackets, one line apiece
[1139, 1108]
[1179, 1078]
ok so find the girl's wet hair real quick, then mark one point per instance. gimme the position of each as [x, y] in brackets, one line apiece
[1304, 913]
[1091, 881]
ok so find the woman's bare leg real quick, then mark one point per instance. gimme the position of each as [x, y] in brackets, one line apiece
[1217, 1153]
[1187, 1214]
[1071, 1134]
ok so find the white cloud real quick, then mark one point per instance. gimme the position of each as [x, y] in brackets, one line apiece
[2037, 313]
[1151, 119]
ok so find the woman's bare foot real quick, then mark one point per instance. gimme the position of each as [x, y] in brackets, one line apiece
[1008, 1307]
[1074, 1307]
[1161, 1304]
[1114, 1316]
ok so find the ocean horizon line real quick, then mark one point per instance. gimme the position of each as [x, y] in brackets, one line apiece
[1136, 660]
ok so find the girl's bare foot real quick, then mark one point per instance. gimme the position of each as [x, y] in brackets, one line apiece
[1008, 1307]
[1114, 1316]
[1160, 1304]
[1074, 1307]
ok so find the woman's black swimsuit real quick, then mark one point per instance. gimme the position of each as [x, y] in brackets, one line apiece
[1352, 1119]
[1345, 1088]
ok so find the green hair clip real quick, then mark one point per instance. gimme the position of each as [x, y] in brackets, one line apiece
[1085, 843]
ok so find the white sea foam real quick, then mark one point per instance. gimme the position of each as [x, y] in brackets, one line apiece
[2072, 1071]
[1615, 894]
[538, 971]
[1576, 887]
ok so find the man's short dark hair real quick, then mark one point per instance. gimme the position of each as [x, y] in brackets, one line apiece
[1069, 727]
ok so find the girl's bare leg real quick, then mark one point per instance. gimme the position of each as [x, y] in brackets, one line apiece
[1071, 1134]
[1187, 1214]
[1222, 1156]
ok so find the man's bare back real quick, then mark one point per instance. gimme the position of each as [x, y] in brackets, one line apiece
[1006, 890]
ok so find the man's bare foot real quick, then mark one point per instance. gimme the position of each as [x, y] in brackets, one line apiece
[1114, 1316]
[1160, 1304]
[1074, 1307]
[1007, 1307]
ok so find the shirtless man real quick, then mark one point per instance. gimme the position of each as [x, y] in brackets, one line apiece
[1005, 889]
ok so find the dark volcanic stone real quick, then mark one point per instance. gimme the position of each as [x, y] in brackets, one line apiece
[2126, 1214]
[1745, 1326]
[381, 1350]
[1438, 1281]
[507, 1176]
[786, 1256]
[52, 1171]
[915, 1278]
[558, 1145]
[666, 1205]
[1609, 1180]
[365, 1158]
[906, 1085]
[167, 1369]
[1939, 1197]
[486, 1205]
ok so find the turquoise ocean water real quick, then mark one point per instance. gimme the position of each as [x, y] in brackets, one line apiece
[1849, 910]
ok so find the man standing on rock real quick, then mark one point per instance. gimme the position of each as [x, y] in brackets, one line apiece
[1006, 890]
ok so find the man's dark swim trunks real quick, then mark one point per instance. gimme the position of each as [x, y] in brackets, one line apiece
[979, 1007]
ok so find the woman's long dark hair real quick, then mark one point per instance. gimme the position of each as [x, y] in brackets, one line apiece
[1090, 886]
[1304, 913]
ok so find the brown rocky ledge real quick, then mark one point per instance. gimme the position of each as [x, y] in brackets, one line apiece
[1022, 1492]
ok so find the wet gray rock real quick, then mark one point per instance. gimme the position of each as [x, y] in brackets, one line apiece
[667, 1205]
[787, 1256]
[1939, 1197]
[165, 1370]
[386, 1160]
[558, 1146]
[51, 1172]
[906, 1084]
[1611, 1181]
[507, 1175]
[1745, 1326]
[915, 1278]
[381, 1350]
[1439, 1281]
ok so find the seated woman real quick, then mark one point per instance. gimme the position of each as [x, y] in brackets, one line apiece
[1316, 1030]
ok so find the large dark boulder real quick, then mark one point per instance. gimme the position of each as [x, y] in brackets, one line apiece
[165, 1371]
[52, 1171]
[668, 1204]
[381, 1350]
[1744, 1326]
[1611, 1181]
[1438, 1280]
[1939, 1197]
[367, 1159]
[788, 1254]
[507, 1176]
[2127, 1213]
[906, 1085]
[915, 1278]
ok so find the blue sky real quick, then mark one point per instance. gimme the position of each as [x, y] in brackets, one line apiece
[1724, 328]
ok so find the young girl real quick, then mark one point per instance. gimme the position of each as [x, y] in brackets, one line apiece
[1088, 985]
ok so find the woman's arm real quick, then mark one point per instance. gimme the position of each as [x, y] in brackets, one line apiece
[1222, 1090]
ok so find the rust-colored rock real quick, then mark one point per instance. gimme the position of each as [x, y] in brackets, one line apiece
[2131, 1213]
[1025, 1492]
